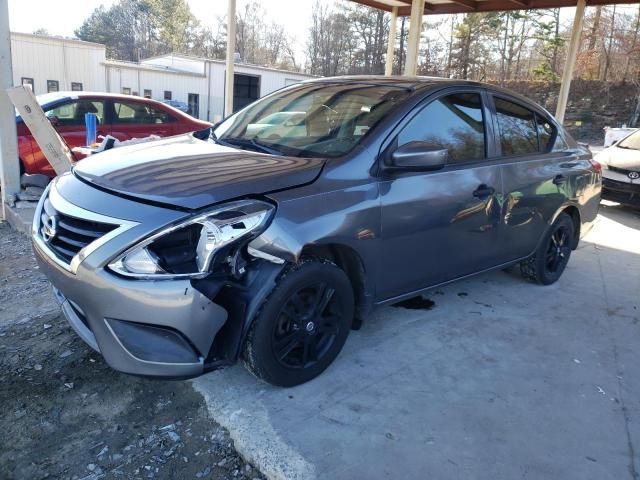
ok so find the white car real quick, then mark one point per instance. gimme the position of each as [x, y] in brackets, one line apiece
[621, 171]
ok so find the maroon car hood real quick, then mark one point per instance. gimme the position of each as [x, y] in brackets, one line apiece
[185, 172]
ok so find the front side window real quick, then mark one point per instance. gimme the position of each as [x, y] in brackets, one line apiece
[72, 113]
[454, 122]
[139, 113]
[53, 86]
[517, 128]
[321, 120]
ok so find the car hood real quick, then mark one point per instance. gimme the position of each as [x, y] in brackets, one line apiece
[188, 173]
[620, 158]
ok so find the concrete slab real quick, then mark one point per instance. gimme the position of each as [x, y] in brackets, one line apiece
[502, 379]
[20, 218]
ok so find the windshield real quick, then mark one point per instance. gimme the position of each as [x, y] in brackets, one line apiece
[631, 142]
[316, 119]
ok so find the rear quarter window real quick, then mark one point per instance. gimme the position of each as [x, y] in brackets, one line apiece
[551, 140]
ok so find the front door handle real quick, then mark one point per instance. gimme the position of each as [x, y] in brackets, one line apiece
[559, 180]
[484, 191]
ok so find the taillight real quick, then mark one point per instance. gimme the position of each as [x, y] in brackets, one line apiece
[596, 165]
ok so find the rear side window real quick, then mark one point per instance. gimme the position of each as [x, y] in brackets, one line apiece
[517, 127]
[454, 122]
[139, 113]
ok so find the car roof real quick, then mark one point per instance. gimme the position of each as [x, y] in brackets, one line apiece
[51, 99]
[57, 96]
[396, 80]
[420, 83]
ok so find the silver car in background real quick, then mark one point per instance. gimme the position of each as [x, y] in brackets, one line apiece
[621, 171]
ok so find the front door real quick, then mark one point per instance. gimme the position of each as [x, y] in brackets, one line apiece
[441, 225]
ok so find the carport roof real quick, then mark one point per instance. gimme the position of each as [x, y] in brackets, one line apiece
[434, 7]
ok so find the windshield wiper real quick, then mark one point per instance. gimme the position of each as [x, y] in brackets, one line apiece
[249, 143]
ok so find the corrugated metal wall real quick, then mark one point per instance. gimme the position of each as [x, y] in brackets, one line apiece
[65, 61]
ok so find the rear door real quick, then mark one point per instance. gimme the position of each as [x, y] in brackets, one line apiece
[441, 225]
[132, 119]
[540, 172]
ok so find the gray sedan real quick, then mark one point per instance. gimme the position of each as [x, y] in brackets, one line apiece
[176, 257]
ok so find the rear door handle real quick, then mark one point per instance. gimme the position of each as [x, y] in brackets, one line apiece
[559, 180]
[484, 191]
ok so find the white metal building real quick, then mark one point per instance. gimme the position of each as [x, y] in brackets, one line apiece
[56, 64]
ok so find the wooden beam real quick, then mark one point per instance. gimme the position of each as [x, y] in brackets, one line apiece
[469, 4]
[231, 53]
[415, 30]
[465, 6]
[522, 3]
[572, 54]
[391, 42]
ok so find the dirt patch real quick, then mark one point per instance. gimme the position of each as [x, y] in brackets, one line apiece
[65, 414]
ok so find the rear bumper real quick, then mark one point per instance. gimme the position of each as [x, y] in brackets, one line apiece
[622, 192]
[158, 329]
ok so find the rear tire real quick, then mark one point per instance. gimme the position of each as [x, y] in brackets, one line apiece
[302, 326]
[553, 253]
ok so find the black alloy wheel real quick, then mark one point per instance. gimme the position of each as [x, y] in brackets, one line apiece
[307, 326]
[559, 250]
[553, 253]
[302, 326]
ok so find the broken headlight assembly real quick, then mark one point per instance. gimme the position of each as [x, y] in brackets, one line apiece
[206, 243]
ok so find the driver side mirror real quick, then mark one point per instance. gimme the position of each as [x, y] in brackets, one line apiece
[54, 120]
[419, 156]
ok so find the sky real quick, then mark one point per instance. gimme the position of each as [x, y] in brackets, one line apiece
[62, 17]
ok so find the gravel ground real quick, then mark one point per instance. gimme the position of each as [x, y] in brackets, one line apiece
[65, 414]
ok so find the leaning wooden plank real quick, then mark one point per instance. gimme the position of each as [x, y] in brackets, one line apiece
[51, 144]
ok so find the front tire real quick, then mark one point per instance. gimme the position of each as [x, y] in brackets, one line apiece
[553, 253]
[302, 326]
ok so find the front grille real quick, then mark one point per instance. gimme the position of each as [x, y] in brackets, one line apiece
[71, 234]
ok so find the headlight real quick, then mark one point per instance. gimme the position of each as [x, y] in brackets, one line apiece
[198, 246]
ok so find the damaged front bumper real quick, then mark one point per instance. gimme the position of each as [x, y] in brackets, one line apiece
[160, 329]
[173, 328]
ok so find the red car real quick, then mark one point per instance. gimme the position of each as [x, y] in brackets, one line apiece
[122, 116]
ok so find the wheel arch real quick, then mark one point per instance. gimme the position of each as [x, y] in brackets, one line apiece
[574, 212]
[349, 261]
